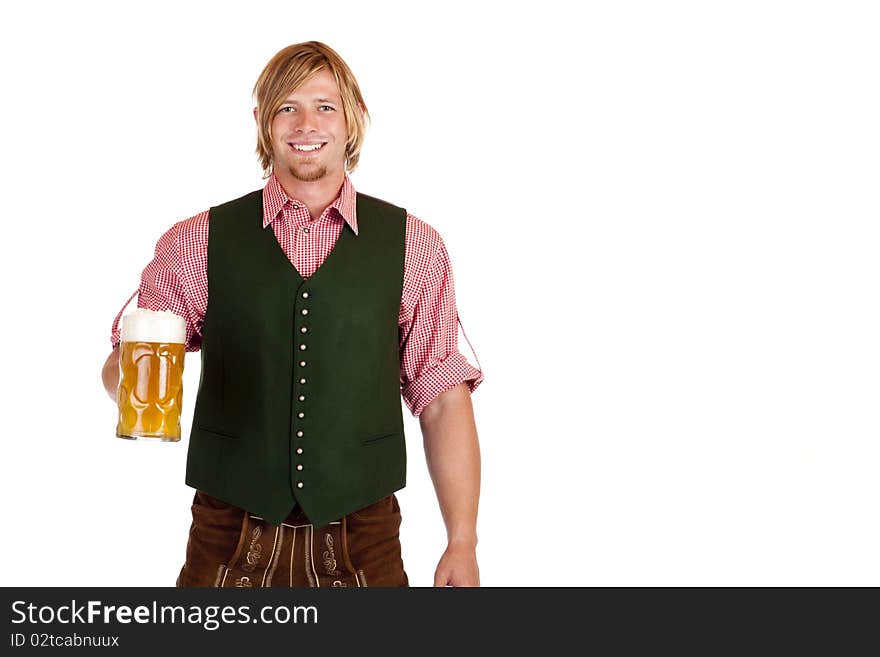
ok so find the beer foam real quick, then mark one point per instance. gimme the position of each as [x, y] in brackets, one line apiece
[144, 325]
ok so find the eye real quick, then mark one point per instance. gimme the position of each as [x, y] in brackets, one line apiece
[285, 108]
[330, 107]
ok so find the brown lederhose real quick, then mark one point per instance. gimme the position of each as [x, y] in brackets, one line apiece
[229, 546]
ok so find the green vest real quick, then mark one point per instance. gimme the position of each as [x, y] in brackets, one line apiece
[299, 394]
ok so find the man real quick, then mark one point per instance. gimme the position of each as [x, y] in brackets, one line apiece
[297, 441]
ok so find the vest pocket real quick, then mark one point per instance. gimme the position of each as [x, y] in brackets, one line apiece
[375, 439]
[222, 433]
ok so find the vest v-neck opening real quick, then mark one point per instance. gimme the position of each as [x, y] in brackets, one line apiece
[343, 235]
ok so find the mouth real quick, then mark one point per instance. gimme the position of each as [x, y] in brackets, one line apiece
[307, 149]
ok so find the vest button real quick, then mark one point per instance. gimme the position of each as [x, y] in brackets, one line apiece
[300, 415]
[299, 484]
[304, 330]
[305, 295]
[299, 434]
[302, 347]
[303, 381]
[302, 397]
[299, 450]
[302, 363]
[299, 466]
[305, 311]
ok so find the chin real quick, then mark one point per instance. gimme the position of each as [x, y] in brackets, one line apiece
[310, 175]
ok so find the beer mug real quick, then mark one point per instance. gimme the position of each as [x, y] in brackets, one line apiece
[150, 392]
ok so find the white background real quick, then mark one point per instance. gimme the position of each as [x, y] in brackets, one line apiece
[662, 219]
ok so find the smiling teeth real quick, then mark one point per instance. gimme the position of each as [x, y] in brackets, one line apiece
[313, 147]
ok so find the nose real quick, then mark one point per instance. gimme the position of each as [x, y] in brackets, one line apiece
[307, 121]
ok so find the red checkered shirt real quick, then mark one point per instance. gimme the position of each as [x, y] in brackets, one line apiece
[430, 362]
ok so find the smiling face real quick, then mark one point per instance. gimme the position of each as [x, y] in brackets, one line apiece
[309, 132]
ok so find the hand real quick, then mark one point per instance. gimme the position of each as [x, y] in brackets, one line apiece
[110, 373]
[458, 567]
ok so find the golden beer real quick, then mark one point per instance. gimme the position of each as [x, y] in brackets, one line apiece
[150, 393]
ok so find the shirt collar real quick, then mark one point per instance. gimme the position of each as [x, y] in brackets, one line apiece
[274, 199]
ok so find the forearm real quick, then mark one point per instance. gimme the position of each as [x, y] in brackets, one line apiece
[110, 373]
[452, 452]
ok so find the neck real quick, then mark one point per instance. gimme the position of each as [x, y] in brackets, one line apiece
[316, 194]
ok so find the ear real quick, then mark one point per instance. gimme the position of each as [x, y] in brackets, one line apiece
[255, 116]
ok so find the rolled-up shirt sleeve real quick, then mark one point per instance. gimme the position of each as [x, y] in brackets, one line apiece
[429, 356]
[163, 286]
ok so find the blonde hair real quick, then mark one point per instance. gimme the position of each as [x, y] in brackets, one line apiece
[285, 73]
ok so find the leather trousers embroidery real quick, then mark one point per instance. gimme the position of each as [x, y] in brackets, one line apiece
[290, 555]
